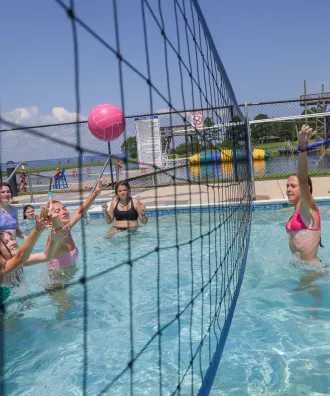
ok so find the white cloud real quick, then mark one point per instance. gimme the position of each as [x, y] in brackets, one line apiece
[30, 116]
[20, 115]
[63, 115]
[163, 110]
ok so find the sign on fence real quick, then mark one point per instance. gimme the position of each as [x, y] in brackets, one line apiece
[149, 143]
[197, 119]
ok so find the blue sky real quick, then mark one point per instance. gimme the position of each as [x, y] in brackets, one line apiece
[267, 47]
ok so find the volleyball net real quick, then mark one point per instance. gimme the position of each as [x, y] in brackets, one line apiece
[148, 313]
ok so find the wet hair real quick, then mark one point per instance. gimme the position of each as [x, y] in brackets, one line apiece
[3, 184]
[309, 180]
[122, 183]
[26, 207]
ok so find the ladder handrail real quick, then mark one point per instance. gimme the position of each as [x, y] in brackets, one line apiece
[29, 177]
[102, 171]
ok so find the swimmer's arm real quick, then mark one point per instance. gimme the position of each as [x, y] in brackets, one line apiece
[86, 205]
[307, 207]
[23, 252]
[46, 255]
[307, 200]
[51, 246]
[302, 175]
[82, 210]
[140, 208]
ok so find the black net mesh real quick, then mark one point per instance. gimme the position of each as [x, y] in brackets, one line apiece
[145, 312]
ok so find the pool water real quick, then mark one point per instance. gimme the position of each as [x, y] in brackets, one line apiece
[44, 336]
[279, 341]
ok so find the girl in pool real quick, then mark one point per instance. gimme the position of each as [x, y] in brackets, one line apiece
[66, 253]
[28, 212]
[13, 258]
[8, 214]
[125, 209]
[27, 224]
[304, 226]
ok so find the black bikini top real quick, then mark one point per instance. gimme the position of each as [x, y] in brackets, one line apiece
[128, 215]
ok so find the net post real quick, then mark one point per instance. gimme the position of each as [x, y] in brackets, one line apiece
[249, 149]
[110, 165]
[117, 173]
[324, 119]
[234, 148]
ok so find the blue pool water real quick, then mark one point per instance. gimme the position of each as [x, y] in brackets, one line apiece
[279, 341]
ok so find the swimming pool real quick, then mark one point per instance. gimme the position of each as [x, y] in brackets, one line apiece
[277, 342]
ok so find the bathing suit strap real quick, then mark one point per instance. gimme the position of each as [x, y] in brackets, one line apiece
[126, 215]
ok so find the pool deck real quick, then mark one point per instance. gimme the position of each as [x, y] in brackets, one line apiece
[189, 195]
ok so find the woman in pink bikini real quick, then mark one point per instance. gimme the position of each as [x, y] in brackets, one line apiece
[304, 227]
[67, 253]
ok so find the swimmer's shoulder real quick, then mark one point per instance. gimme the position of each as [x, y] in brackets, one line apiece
[136, 201]
[113, 203]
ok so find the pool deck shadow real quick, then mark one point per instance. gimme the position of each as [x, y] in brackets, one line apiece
[193, 194]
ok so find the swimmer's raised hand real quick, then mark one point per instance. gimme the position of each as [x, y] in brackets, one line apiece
[141, 209]
[40, 224]
[305, 134]
[104, 207]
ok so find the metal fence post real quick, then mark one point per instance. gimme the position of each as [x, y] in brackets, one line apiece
[249, 148]
[110, 165]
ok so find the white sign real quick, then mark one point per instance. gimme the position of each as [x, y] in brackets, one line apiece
[197, 119]
[149, 142]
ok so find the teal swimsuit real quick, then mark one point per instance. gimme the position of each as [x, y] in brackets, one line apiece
[4, 293]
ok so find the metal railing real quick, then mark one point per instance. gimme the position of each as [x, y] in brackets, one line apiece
[102, 171]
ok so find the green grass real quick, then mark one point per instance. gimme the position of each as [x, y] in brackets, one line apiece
[266, 146]
[278, 176]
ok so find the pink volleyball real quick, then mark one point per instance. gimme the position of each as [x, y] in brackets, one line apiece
[106, 122]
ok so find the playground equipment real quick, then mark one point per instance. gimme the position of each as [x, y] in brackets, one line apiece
[222, 156]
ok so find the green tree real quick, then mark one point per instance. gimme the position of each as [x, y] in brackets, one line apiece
[208, 122]
[213, 135]
[130, 147]
[182, 149]
[235, 133]
[258, 131]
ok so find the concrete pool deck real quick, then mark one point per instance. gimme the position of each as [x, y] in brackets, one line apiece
[193, 194]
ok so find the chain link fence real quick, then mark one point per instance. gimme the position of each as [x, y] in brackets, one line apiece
[51, 150]
[279, 138]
